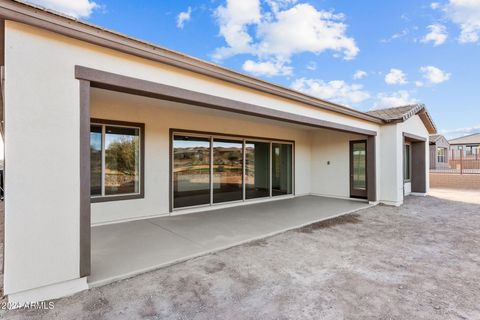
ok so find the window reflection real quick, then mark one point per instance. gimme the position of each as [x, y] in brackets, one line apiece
[281, 169]
[227, 170]
[191, 171]
[95, 160]
[122, 160]
[359, 166]
[257, 171]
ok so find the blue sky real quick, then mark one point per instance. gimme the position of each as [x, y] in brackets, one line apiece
[364, 54]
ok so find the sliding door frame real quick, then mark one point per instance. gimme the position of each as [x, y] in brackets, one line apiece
[219, 135]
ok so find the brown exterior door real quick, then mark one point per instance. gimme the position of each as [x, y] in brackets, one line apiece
[358, 169]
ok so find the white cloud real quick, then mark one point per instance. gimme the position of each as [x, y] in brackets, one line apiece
[183, 17]
[465, 13]
[460, 132]
[337, 90]
[276, 5]
[74, 8]
[437, 35]
[434, 5]
[267, 68]
[280, 31]
[359, 74]
[395, 76]
[419, 83]
[395, 99]
[304, 29]
[434, 75]
[397, 35]
[234, 18]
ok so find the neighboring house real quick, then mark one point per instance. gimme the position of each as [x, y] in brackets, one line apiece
[103, 128]
[439, 152]
[467, 146]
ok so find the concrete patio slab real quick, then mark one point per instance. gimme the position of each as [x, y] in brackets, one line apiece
[125, 249]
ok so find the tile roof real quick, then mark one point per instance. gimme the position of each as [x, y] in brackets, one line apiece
[398, 113]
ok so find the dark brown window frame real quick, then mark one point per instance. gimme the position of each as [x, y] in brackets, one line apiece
[141, 194]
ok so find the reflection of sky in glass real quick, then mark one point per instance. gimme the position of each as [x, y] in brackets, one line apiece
[217, 144]
[110, 138]
[191, 144]
[96, 140]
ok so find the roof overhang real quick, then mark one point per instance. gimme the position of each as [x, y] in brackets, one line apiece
[115, 82]
[40, 17]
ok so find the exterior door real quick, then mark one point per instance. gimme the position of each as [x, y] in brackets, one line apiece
[358, 169]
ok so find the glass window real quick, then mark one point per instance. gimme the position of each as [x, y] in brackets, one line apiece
[441, 155]
[95, 160]
[281, 169]
[191, 171]
[114, 159]
[257, 169]
[227, 170]
[468, 150]
[407, 156]
[359, 165]
[122, 160]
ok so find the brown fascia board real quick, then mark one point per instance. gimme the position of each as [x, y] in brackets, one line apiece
[46, 19]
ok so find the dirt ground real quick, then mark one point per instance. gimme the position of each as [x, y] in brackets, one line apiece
[418, 261]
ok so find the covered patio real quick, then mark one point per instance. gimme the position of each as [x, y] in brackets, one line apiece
[125, 249]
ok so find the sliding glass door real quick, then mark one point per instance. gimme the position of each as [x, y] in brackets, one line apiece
[227, 170]
[281, 169]
[257, 169]
[191, 171]
[209, 169]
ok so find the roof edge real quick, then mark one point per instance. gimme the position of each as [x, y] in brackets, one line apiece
[466, 136]
[36, 16]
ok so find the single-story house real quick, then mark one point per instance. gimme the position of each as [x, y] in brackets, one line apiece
[101, 128]
[467, 146]
[439, 152]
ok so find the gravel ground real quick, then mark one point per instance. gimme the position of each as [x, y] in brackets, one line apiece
[418, 261]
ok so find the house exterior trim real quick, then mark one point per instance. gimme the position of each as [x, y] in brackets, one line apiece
[85, 214]
[115, 82]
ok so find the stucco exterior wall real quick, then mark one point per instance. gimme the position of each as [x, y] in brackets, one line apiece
[159, 116]
[330, 171]
[390, 189]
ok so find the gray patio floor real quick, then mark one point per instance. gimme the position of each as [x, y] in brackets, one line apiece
[125, 249]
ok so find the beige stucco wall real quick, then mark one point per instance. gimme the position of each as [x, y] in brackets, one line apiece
[331, 147]
[158, 117]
